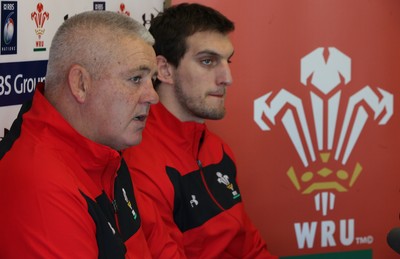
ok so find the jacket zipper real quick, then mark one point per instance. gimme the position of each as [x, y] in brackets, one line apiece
[205, 184]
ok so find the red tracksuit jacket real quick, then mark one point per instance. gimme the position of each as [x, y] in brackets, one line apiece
[190, 175]
[62, 197]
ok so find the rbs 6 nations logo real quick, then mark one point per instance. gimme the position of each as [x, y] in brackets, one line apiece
[338, 123]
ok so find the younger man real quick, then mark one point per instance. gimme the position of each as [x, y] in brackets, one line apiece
[188, 171]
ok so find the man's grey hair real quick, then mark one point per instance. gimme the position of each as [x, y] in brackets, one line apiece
[87, 39]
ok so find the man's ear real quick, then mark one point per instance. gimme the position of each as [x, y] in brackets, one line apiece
[79, 81]
[165, 70]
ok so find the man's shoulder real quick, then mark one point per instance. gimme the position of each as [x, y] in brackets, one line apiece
[37, 166]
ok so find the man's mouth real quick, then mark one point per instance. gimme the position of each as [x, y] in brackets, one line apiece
[220, 94]
[140, 118]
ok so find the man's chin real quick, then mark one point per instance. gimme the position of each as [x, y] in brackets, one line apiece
[132, 142]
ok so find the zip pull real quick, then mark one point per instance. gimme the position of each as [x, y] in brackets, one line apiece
[199, 164]
[115, 206]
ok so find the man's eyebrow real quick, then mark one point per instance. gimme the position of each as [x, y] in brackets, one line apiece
[142, 68]
[212, 53]
[208, 52]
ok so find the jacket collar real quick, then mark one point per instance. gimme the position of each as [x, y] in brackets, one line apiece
[186, 135]
[98, 161]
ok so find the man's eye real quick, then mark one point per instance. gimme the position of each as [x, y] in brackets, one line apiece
[207, 61]
[136, 79]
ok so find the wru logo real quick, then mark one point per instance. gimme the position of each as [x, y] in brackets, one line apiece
[336, 130]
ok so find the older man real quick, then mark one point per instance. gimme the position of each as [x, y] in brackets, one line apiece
[64, 190]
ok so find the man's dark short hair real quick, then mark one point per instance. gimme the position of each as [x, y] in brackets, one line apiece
[172, 27]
